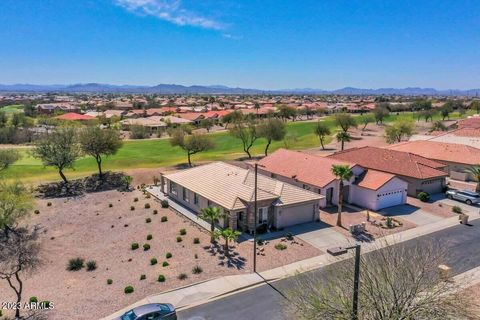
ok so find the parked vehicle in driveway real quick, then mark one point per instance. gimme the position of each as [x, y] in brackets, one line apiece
[151, 311]
[469, 197]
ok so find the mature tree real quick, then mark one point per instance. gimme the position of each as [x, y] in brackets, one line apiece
[272, 129]
[365, 120]
[446, 109]
[3, 119]
[380, 113]
[475, 105]
[18, 119]
[343, 137]
[139, 132]
[291, 138]
[345, 121]
[58, 149]
[421, 104]
[475, 171]
[8, 157]
[19, 255]
[427, 114]
[256, 106]
[285, 112]
[212, 215]
[322, 131]
[247, 133]
[206, 124]
[228, 235]
[396, 282]
[397, 131]
[15, 203]
[98, 143]
[342, 173]
[233, 117]
[192, 144]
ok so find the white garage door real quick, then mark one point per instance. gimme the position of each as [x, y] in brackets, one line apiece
[296, 215]
[389, 199]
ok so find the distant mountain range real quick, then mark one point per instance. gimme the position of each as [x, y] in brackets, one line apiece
[219, 89]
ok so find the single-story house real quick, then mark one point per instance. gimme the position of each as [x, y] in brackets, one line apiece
[457, 157]
[231, 188]
[51, 108]
[367, 188]
[71, 116]
[466, 136]
[421, 174]
[155, 123]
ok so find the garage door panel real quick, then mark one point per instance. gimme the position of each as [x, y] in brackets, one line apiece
[389, 199]
[296, 215]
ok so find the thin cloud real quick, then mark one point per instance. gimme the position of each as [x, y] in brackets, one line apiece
[171, 11]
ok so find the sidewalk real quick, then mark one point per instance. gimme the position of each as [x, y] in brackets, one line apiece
[209, 290]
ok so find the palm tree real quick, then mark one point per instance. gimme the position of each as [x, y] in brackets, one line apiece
[343, 137]
[475, 170]
[343, 173]
[212, 215]
[228, 235]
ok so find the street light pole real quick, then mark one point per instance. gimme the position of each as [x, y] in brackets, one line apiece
[356, 281]
[255, 223]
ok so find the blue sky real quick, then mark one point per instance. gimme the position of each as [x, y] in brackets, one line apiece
[267, 44]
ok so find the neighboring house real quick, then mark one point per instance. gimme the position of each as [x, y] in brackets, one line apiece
[465, 136]
[74, 117]
[231, 188]
[470, 122]
[368, 188]
[457, 157]
[51, 108]
[155, 123]
[194, 117]
[421, 174]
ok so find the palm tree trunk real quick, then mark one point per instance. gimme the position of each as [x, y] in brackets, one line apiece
[340, 203]
[212, 233]
[343, 144]
[226, 248]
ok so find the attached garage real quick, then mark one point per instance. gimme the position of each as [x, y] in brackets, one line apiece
[291, 215]
[390, 199]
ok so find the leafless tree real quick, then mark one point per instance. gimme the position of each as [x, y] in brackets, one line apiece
[396, 282]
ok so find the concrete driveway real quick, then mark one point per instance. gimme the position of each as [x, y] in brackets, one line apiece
[411, 213]
[319, 235]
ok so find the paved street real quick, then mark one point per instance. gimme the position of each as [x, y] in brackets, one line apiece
[266, 303]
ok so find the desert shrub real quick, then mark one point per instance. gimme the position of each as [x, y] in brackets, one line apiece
[49, 204]
[147, 205]
[110, 205]
[36, 211]
[168, 255]
[139, 132]
[161, 278]
[289, 236]
[128, 289]
[135, 246]
[33, 299]
[280, 246]
[149, 237]
[153, 261]
[109, 281]
[423, 196]
[164, 203]
[457, 209]
[143, 277]
[197, 270]
[179, 239]
[91, 265]
[146, 247]
[148, 220]
[164, 219]
[155, 211]
[132, 208]
[389, 222]
[75, 264]
[182, 276]
[165, 264]
[196, 240]
[195, 256]
[135, 199]
[183, 232]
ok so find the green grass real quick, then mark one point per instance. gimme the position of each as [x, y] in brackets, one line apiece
[12, 108]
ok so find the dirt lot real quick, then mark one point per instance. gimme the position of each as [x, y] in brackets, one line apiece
[87, 227]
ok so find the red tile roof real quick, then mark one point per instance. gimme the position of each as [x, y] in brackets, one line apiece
[473, 122]
[309, 169]
[441, 151]
[467, 132]
[392, 161]
[374, 180]
[74, 116]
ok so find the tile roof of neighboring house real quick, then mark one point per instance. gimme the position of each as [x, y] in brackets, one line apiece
[373, 179]
[192, 116]
[392, 161]
[310, 169]
[471, 122]
[467, 132]
[175, 120]
[154, 121]
[441, 151]
[74, 116]
[230, 186]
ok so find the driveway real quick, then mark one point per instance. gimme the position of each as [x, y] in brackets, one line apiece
[319, 235]
[411, 213]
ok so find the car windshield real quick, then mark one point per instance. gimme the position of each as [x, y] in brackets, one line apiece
[130, 315]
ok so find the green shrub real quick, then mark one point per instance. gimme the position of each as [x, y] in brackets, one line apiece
[143, 277]
[109, 281]
[165, 264]
[91, 265]
[168, 255]
[164, 219]
[182, 276]
[149, 237]
[164, 203]
[161, 278]
[110, 205]
[155, 211]
[389, 222]
[197, 270]
[46, 304]
[33, 299]
[146, 247]
[457, 209]
[196, 240]
[36, 211]
[183, 232]
[49, 204]
[147, 206]
[128, 289]
[280, 246]
[135, 199]
[153, 261]
[289, 236]
[423, 196]
[135, 246]
[75, 264]
[148, 220]
[132, 208]
[179, 239]
[195, 256]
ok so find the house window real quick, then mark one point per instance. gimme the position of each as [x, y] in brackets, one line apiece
[173, 187]
[195, 198]
[209, 203]
[184, 195]
[306, 187]
[262, 215]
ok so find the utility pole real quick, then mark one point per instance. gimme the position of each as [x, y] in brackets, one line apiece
[255, 223]
[356, 281]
